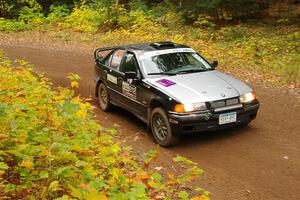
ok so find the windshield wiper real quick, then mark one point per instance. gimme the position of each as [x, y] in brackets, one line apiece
[162, 73]
[192, 71]
[180, 72]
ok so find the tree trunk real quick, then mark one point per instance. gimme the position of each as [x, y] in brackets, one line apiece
[120, 2]
[2, 9]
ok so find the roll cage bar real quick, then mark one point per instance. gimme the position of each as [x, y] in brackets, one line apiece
[96, 52]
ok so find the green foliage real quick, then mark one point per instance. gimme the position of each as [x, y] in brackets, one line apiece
[204, 21]
[58, 13]
[233, 33]
[51, 148]
[220, 11]
[272, 53]
[12, 25]
[224, 10]
[32, 15]
[138, 5]
[293, 41]
[268, 51]
[85, 19]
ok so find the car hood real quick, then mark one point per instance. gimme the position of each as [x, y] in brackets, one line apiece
[200, 87]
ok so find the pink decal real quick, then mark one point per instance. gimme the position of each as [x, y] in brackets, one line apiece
[166, 82]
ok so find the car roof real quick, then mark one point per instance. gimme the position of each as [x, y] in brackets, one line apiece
[141, 48]
[152, 46]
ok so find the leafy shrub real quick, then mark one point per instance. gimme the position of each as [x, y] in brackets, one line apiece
[204, 21]
[139, 21]
[134, 26]
[57, 13]
[173, 20]
[32, 15]
[51, 148]
[117, 17]
[11, 25]
[233, 33]
[138, 5]
[85, 19]
[293, 41]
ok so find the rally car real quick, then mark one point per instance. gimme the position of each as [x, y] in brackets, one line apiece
[172, 88]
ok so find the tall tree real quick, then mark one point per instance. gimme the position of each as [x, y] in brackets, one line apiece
[2, 9]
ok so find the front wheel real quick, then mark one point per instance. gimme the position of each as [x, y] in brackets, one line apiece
[161, 130]
[103, 97]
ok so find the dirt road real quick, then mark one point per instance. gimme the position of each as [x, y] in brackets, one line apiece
[261, 161]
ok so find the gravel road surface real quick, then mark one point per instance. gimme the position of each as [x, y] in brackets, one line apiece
[261, 161]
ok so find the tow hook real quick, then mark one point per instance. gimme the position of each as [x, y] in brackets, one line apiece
[173, 121]
[207, 116]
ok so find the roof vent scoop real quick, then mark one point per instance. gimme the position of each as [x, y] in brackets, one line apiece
[160, 45]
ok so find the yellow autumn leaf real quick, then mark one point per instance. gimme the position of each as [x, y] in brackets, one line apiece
[75, 192]
[27, 164]
[74, 84]
[54, 186]
[197, 198]
[81, 113]
[94, 195]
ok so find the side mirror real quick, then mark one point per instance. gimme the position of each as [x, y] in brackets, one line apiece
[97, 60]
[130, 75]
[214, 64]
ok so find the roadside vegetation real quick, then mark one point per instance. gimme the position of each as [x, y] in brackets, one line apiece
[254, 39]
[51, 148]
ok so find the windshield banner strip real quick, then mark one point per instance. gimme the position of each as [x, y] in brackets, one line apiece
[167, 51]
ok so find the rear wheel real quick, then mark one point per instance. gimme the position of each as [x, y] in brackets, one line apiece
[103, 97]
[161, 130]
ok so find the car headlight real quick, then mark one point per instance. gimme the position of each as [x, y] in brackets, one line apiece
[181, 108]
[248, 97]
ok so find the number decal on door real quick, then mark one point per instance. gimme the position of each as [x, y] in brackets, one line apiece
[129, 90]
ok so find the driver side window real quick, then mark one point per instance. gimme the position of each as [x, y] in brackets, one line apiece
[129, 64]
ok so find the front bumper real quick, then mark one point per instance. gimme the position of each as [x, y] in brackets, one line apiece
[209, 121]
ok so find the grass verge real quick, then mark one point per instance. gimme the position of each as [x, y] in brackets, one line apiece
[252, 52]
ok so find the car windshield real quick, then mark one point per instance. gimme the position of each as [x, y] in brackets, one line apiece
[175, 63]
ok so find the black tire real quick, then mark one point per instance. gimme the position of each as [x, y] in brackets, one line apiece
[103, 98]
[161, 129]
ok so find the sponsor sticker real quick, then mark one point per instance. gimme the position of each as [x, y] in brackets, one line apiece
[167, 51]
[129, 90]
[112, 79]
[166, 82]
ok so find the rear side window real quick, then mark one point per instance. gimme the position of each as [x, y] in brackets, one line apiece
[116, 59]
[107, 60]
[104, 56]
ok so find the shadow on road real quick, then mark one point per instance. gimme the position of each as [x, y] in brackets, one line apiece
[213, 136]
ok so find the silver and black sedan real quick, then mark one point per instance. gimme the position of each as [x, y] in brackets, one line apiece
[172, 88]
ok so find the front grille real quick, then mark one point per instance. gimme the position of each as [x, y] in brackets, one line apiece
[231, 102]
[218, 104]
[224, 103]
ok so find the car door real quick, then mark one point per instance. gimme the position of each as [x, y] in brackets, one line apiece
[114, 77]
[131, 88]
